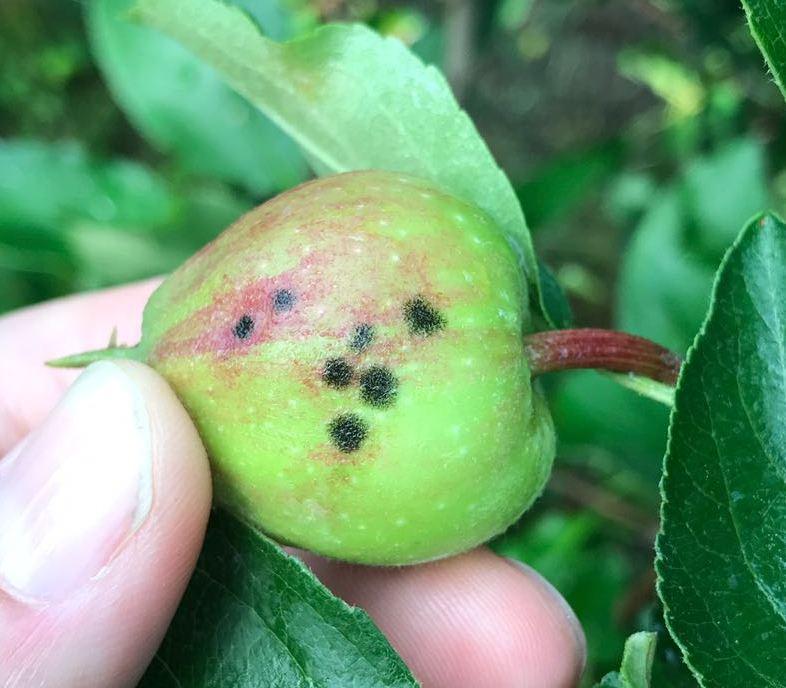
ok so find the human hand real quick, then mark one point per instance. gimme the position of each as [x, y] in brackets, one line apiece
[104, 498]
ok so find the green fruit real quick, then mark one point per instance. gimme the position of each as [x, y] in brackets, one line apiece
[351, 353]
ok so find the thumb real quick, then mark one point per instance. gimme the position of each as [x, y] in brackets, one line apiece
[103, 510]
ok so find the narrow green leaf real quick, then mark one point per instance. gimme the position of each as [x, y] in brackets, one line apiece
[722, 547]
[657, 391]
[184, 108]
[353, 100]
[668, 667]
[636, 663]
[255, 616]
[552, 299]
[767, 20]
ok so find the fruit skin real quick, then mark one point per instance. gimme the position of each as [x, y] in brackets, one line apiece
[351, 353]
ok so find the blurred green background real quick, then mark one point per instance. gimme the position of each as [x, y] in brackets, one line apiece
[639, 134]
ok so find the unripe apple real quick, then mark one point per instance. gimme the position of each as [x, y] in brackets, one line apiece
[351, 353]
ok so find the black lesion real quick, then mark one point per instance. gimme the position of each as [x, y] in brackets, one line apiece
[378, 386]
[283, 300]
[347, 431]
[337, 373]
[422, 317]
[243, 327]
[361, 337]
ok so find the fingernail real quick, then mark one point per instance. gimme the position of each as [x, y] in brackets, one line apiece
[570, 615]
[76, 488]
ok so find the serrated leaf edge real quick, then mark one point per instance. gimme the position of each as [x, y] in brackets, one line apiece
[758, 221]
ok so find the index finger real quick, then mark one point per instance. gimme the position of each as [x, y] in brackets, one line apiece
[32, 336]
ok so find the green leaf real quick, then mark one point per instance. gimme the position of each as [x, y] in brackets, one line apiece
[599, 421]
[629, 195]
[185, 108]
[636, 663]
[646, 387]
[280, 19]
[767, 20]
[105, 256]
[69, 221]
[255, 616]
[669, 266]
[48, 185]
[721, 559]
[352, 100]
[722, 192]
[29, 250]
[205, 211]
[560, 185]
[552, 299]
[664, 288]
[670, 79]
[668, 667]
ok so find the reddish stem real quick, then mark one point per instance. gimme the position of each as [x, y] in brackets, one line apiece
[602, 349]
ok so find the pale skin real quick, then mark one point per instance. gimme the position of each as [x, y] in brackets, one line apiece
[476, 620]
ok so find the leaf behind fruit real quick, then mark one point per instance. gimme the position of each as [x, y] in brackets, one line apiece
[353, 100]
[552, 299]
[722, 551]
[184, 108]
[254, 616]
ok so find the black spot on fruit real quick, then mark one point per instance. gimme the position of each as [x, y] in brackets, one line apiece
[348, 431]
[361, 338]
[243, 327]
[378, 386]
[337, 373]
[422, 317]
[283, 300]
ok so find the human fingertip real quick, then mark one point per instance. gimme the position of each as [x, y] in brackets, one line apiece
[103, 511]
[562, 612]
[76, 488]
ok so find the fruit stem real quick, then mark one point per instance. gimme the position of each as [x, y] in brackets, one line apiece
[615, 352]
[88, 357]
